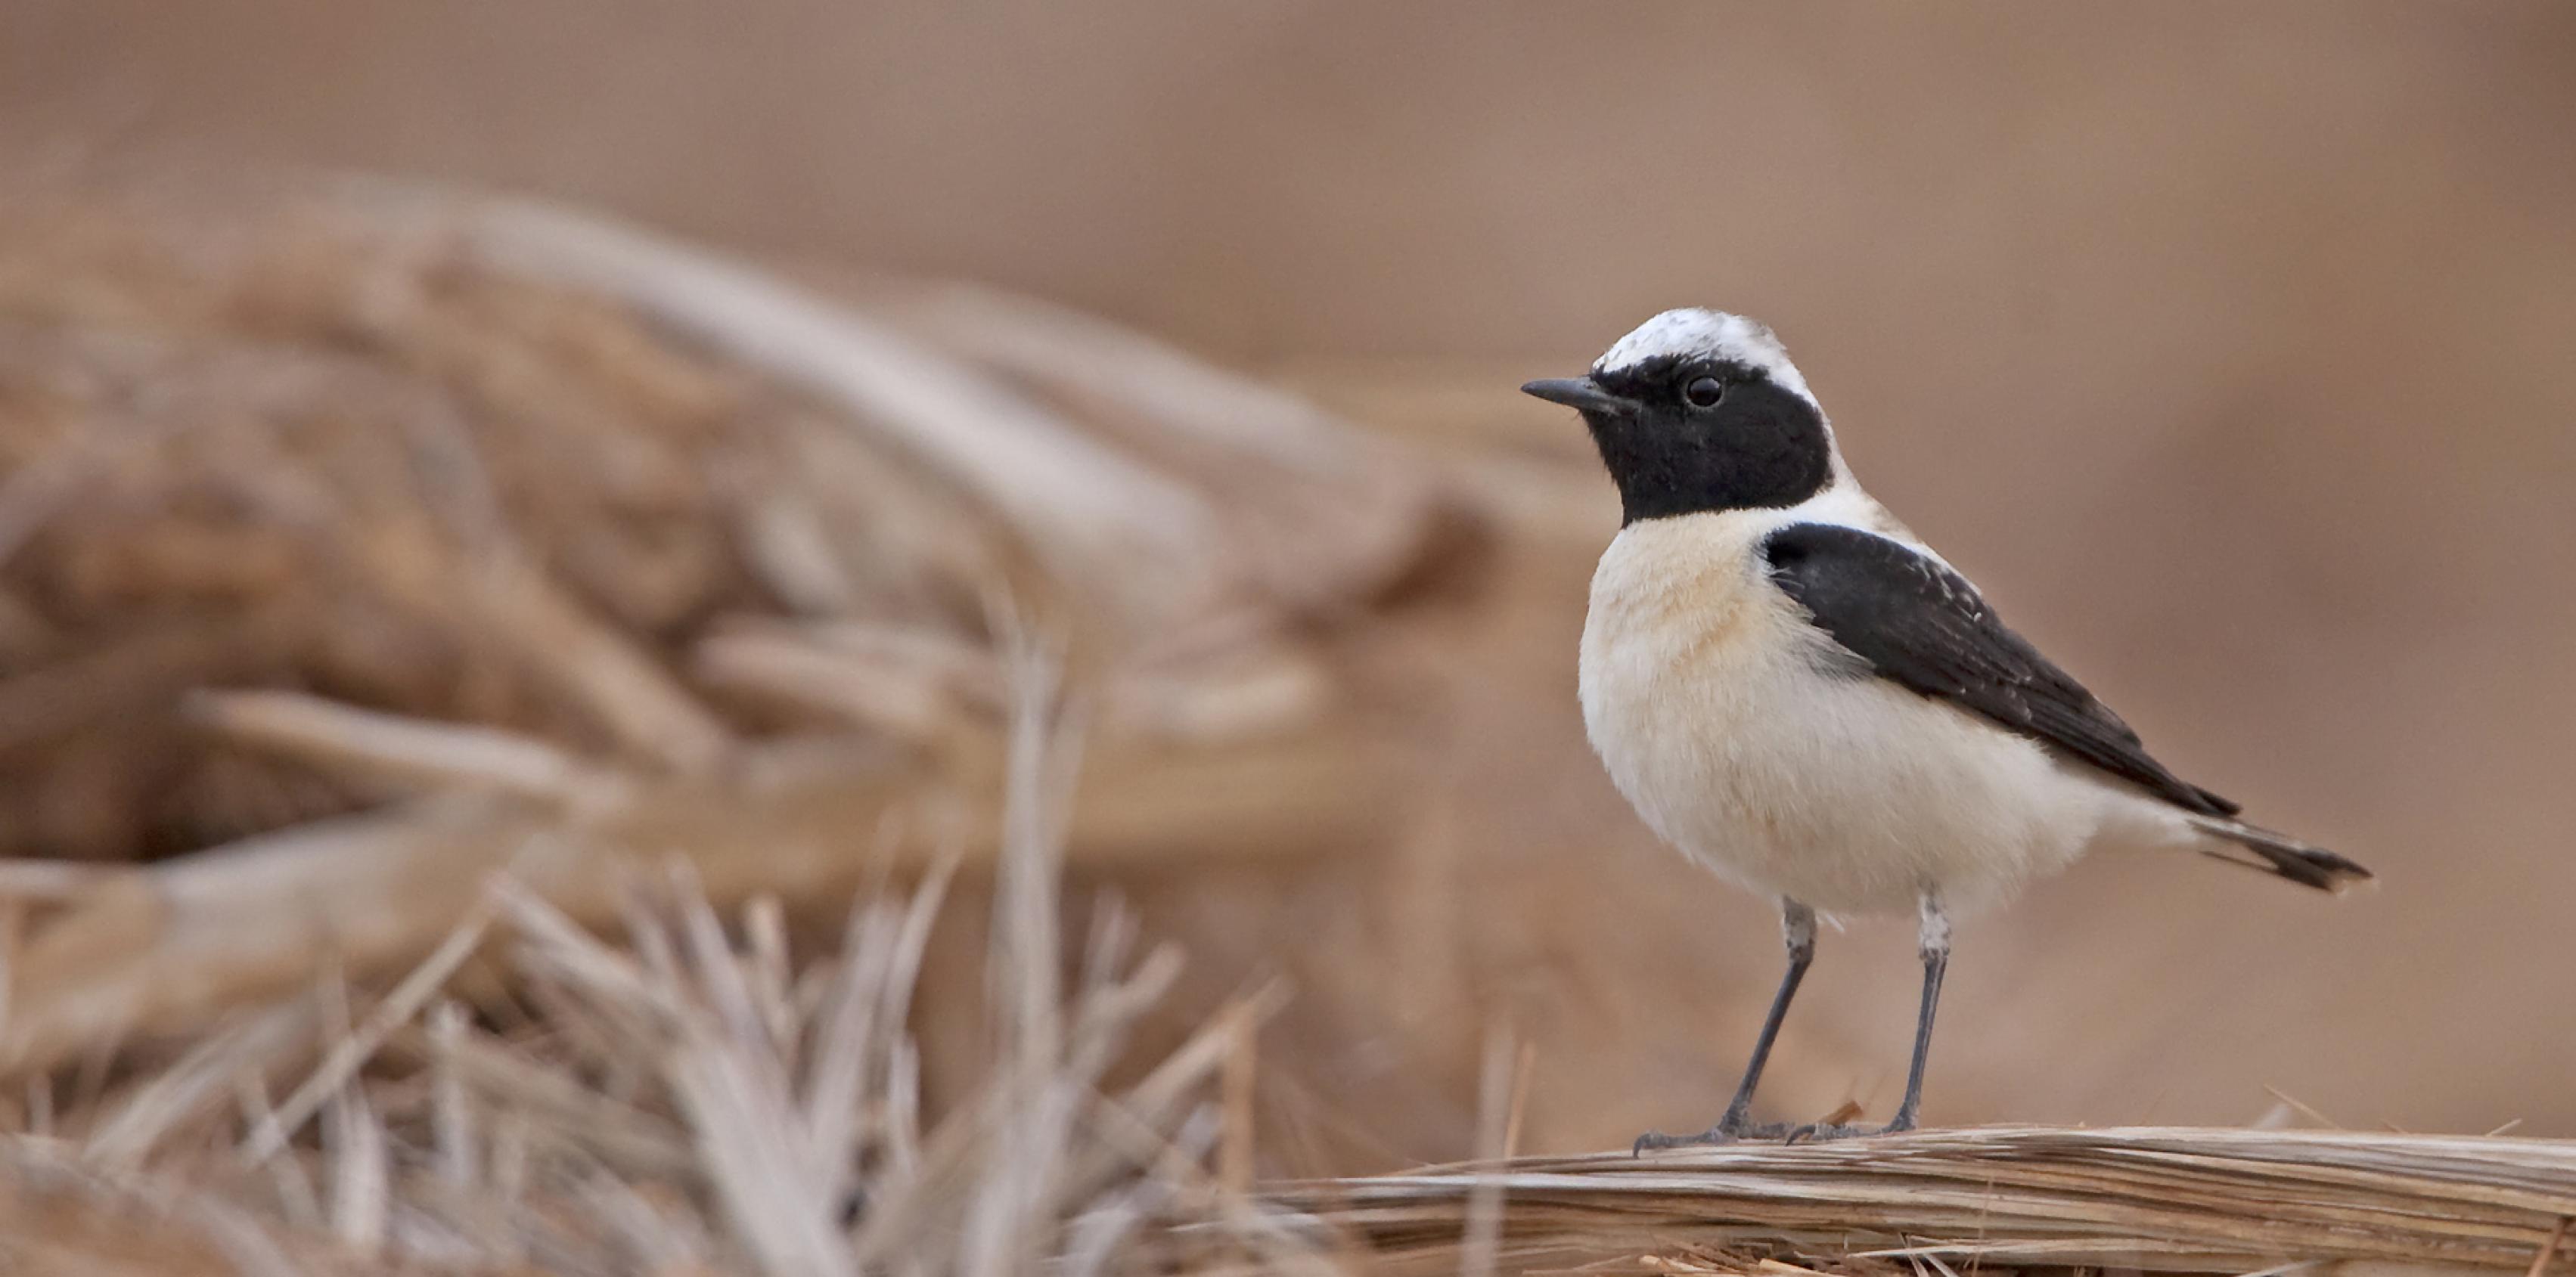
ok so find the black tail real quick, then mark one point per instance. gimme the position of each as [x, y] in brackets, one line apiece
[2281, 854]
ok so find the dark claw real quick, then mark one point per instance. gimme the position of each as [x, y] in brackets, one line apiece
[1660, 1142]
[1729, 1129]
[1820, 1132]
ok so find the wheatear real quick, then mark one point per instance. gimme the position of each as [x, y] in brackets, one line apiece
[1800, 695]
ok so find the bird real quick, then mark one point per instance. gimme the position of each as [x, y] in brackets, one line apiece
[1796, 692]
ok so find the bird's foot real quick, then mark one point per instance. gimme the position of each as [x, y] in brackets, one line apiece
[1820, 1132]
[1729, 1129]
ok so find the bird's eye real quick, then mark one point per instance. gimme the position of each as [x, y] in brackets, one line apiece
[1704, 392]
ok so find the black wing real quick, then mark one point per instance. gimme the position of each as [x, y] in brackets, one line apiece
[1923, 625]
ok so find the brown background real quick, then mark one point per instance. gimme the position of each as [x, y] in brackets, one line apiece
[2226, 345]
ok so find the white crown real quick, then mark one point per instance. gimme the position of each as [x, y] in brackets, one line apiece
[1696, 332]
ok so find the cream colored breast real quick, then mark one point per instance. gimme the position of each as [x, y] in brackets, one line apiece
[1675, 585]
[1682, 645]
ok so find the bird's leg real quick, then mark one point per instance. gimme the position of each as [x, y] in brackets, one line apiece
[1935, 950]
[1798, 936]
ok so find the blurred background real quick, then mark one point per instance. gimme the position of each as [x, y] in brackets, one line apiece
[2224, 345]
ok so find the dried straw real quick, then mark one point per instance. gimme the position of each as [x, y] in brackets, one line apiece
[2149, 1198]
[695, 1098]
[357, 543]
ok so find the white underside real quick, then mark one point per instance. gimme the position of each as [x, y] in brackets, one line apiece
[1704, 694]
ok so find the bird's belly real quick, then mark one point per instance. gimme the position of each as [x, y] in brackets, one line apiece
[1840, 790]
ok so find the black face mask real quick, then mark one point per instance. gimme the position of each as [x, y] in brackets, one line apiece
[1686, 436]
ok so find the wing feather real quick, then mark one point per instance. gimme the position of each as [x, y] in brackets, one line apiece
[1916, 622]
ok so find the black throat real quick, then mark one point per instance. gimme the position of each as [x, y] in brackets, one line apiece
[1762, 446]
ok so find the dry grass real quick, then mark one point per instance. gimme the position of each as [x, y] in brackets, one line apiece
[694, 1096]
[2144, 1198]
[369, 542]
[424, 585]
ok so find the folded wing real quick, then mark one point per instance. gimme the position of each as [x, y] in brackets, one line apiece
[1921, 625]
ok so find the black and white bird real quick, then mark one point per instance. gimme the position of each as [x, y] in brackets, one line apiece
[1799, 694]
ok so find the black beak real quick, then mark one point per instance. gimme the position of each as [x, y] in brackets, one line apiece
[1581, 393]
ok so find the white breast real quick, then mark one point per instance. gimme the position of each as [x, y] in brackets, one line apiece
[1706, 695]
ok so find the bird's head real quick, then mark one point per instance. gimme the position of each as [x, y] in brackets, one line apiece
[1701, 410]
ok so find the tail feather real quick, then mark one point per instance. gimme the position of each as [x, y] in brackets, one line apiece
[2302, 863]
